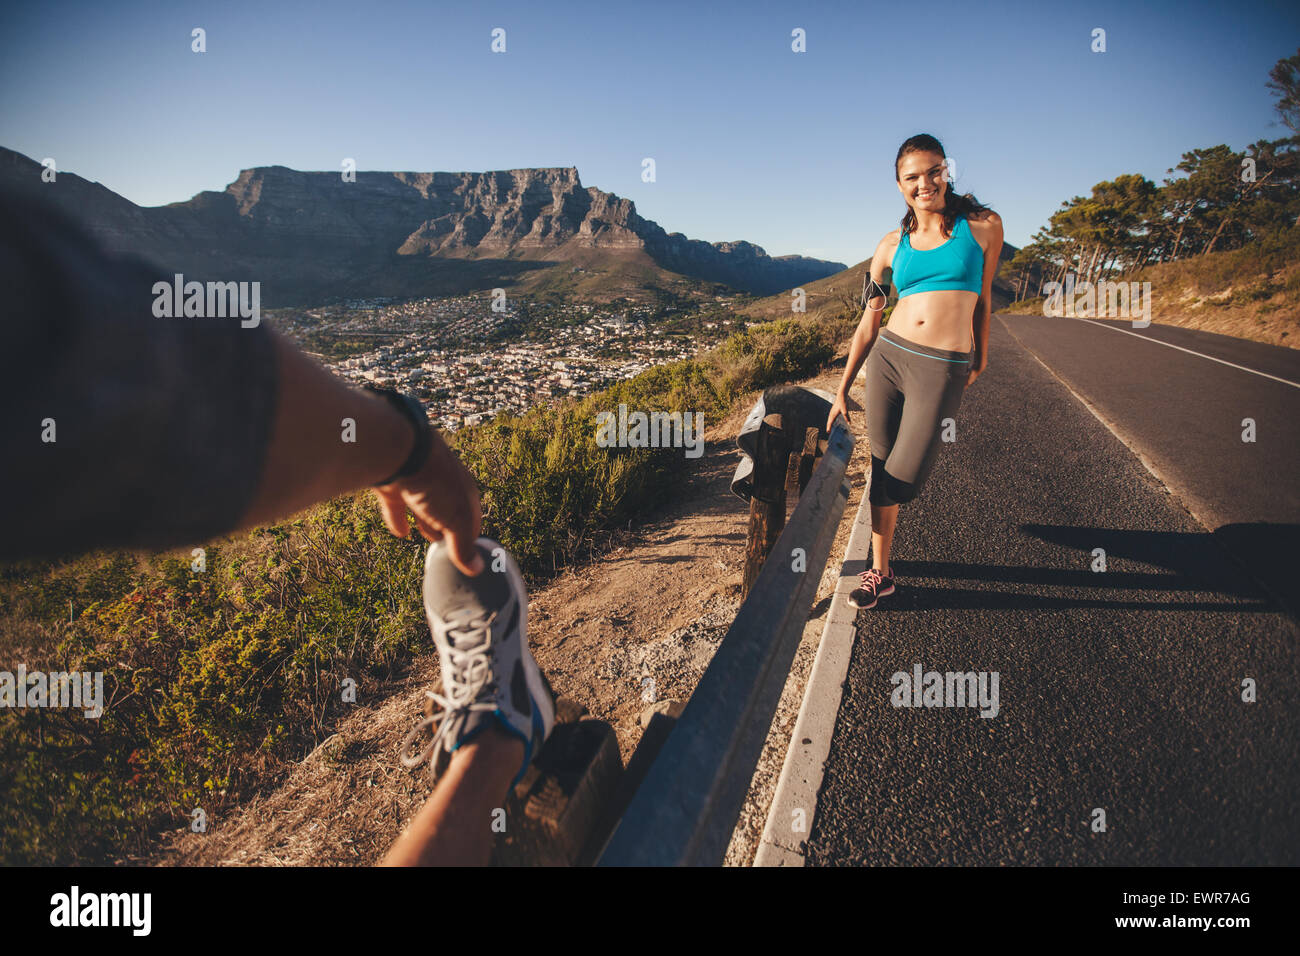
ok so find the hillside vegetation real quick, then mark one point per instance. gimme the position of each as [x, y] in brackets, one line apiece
[216, 680]
[1250, 293]
[1218, 244]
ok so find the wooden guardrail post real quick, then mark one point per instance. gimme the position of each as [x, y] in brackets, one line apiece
[558, 805]
[782, 470]
[813, 446]
[793, 460]
[767, 506]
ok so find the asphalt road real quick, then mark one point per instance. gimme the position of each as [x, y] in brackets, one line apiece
[1118, 690]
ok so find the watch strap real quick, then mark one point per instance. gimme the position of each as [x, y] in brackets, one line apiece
[413, 412]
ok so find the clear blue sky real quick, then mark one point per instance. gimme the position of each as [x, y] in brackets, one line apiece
[751, 141]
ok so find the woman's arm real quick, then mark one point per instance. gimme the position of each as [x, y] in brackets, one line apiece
[863, 338]
[868, 328]
[992, 236]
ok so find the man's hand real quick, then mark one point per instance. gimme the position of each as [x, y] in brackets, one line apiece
[975, 371]
[308, 460]
[444, 499]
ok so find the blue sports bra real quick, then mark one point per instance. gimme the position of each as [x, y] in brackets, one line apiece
[955, 264]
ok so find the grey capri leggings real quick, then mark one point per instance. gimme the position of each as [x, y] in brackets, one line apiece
[911, 389]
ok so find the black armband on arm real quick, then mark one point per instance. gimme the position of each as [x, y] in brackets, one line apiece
[871, 289]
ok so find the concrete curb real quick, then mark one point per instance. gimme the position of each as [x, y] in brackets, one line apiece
[794, 803]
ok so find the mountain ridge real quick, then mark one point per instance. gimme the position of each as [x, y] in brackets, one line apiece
[394, 233]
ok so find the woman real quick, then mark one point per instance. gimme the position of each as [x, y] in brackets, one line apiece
[942, 258]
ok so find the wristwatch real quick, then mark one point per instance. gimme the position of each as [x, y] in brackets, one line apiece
[413, 412]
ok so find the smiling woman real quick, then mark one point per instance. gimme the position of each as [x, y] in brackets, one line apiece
[943, 258]
[947, 243]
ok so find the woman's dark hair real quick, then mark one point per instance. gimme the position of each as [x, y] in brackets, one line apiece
[954, 205]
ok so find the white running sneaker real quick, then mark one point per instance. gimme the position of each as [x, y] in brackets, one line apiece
[480, 626]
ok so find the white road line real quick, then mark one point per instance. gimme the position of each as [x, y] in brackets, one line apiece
[1145, 338]
[1207, 522]
[1202, 515]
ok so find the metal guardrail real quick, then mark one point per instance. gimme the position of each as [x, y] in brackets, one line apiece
[686, 809]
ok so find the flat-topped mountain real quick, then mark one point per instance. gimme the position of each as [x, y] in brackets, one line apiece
[310, 236]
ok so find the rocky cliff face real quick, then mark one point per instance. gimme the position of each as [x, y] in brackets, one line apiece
[310, 235]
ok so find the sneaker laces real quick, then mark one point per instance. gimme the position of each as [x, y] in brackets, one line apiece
[466, 673]
[871, 577]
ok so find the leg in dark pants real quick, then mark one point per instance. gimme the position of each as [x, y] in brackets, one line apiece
[911, 391]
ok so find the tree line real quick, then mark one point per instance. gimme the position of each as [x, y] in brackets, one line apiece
[1226, 200]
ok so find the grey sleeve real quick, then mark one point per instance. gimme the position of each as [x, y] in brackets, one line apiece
[119, 429]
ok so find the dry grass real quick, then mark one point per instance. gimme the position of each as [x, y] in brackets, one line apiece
[1221, 294]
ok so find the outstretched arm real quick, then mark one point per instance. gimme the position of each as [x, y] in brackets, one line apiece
[307, 459]
[123, 429]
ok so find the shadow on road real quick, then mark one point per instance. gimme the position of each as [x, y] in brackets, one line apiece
[1253, 566]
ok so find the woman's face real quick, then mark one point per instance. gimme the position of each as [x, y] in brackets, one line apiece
[920, 180]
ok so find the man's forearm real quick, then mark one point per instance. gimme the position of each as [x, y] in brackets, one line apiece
[312, 454]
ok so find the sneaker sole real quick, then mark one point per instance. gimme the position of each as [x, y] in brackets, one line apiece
[533, 677]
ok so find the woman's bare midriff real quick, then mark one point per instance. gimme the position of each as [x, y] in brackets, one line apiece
[941, 320]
